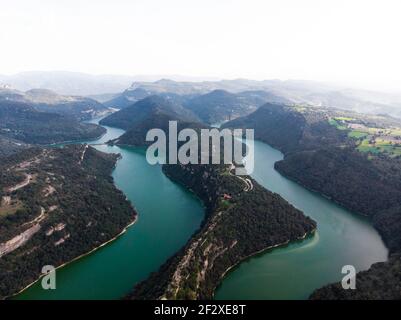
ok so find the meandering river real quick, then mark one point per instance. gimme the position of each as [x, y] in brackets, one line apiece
[168, 215]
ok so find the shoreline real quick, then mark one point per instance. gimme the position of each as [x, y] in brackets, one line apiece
[264, 250]
[77, 258]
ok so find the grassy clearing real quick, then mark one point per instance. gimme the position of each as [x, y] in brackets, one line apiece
[299, 109]
[343, 118]
[225, 204]
[339, 126]
[380, 146]
[356, 134]
[9, 209]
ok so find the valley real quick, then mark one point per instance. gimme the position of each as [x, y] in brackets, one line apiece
[130, 251]
[242, 218]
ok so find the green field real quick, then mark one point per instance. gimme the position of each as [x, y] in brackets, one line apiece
[356, 134]
[380, 146]
[343, 118]
[338, 125]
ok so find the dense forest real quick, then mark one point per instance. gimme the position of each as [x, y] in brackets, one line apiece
[210, 108]
[20, 121]
[10, 146]
[136, 136]
[149, 107]
[56, 204]
[242, 218]
[220, 105]
[80, 108]
[381, 282]
[322, 153]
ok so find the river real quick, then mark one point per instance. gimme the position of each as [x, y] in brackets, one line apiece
[168, 215]
[294, 271]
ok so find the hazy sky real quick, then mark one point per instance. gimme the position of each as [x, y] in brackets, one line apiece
[347, 41]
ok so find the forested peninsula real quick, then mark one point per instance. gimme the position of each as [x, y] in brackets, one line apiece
[242, 219]
[55, 205]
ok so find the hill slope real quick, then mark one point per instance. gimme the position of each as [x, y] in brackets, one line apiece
[219, 105]
[80, 108]
[10, 146]
[22, 122]
[149, 107]
[322, 152]
[55, 205]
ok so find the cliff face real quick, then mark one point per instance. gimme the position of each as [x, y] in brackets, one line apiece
[55, 205]
[242, 218]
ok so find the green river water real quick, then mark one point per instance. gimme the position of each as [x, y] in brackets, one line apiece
[168, 215]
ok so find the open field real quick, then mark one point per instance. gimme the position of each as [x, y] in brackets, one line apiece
[373, 139]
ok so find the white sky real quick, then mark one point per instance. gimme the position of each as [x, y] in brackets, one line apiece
[349, 41]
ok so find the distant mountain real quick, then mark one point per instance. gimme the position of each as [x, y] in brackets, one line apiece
[130, 96]
[21, 121]
[291, 91]
[77, 83]
[49, 101]
[220, 105]
[127, 98]
[68, 83]
[147, 108]
[103, 97]
[212, 107]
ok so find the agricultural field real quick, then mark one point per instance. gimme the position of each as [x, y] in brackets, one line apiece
[373, 140]
[339, 124]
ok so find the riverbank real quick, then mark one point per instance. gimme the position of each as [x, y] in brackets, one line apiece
[296, 270]
[245, 223]
[110, 272]
[75, 259]
[263, 251]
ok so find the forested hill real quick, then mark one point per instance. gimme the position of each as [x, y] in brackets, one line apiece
[381, 282]
[327, 158]
[290, 128]
[21, 121]
[136, 136]
[55, 205]
[80, 108]
[10, 146]
[147, 108]
[242, 218]
[351, 158]
[220, 105]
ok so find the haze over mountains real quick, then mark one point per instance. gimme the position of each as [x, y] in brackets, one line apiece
[45, 100]
[112, 89]
[290, 92]
[77, 83]
[41, 116]
[352, 158]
